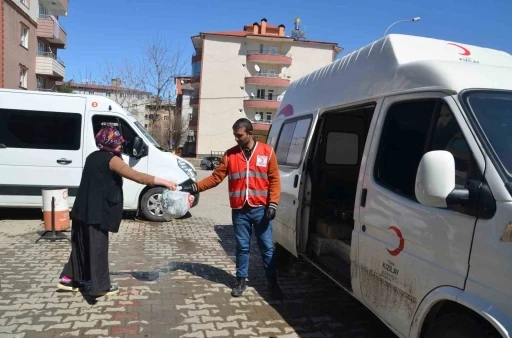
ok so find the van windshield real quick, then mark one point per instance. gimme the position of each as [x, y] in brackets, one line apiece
[147, 135]
[493, 113]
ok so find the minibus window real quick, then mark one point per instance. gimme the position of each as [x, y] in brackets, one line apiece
[40, 129]
[493, 112]
[128, 132]
[291, 142]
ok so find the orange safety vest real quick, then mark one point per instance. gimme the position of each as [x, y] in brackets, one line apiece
[248, 179]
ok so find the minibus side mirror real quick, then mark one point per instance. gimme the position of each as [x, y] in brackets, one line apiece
[435, 181]
[138, 147]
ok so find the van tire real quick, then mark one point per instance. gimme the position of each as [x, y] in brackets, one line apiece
[454, 325]
[147, 202]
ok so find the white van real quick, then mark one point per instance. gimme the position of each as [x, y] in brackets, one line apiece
[46, 137]
[396, 168]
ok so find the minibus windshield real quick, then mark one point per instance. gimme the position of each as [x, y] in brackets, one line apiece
[492, 110]
[148, 135]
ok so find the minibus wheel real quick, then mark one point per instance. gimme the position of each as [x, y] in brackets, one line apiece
[456, 325]
[150, 205]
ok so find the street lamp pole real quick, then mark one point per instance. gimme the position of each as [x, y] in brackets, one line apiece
[415, 19]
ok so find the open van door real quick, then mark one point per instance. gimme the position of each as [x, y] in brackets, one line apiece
[290, 139]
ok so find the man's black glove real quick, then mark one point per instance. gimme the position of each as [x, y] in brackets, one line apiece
[189, 187]
[271, 212]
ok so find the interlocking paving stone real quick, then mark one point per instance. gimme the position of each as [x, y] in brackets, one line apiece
[175, 280]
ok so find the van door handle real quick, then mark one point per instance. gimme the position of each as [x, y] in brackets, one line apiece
[296, 181]
[63, 161]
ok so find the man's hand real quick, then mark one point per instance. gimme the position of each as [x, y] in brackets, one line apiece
[270, 213]
[189, 187]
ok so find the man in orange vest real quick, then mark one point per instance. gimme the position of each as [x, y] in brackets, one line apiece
[254, 191]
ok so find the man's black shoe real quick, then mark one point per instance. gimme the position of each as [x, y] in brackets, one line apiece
[239, 288]
[274, 290]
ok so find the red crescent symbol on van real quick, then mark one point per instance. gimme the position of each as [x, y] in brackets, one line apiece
[95, 104]
[465, 51]
[396, 251]
[286, 111]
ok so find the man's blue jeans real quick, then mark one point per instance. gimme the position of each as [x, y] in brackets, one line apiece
[243, 221]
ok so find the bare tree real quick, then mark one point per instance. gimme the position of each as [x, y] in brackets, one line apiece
[178, 130]
[160, 64]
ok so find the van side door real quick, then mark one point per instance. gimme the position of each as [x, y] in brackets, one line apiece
[131, 190]
[290, 144]
[41, 145]
[406, 249]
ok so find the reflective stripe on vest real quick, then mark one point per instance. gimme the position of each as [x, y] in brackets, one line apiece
[243, 174]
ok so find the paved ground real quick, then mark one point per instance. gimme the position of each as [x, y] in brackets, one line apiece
[175, 281]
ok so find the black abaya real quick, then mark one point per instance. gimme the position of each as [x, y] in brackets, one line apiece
[88, 261]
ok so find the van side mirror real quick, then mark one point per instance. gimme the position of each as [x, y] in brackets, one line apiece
[138, 147]
[435, 180]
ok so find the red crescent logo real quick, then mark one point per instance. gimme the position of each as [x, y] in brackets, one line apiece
[396, 251]
[465, 51]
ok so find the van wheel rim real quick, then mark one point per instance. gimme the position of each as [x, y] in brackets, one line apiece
[154, 206]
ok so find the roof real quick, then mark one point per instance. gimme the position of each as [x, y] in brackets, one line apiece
[398, 63]
[101, 87]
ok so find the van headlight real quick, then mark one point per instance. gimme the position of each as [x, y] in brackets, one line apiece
[188, 169]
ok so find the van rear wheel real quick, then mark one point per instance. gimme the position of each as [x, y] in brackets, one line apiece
[454, 325]
[150, 205]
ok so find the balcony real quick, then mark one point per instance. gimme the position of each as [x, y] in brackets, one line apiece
[56, 7]
[194, 101]
[262, 103]
[197, 57]
[195, 80]
[51, 30]
[49, 64]
[267, 79]
[269, 58]
[261, 126]
[192, 124]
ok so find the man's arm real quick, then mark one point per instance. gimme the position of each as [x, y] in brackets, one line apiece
[216, 177]
[274, 181]
[211, 181]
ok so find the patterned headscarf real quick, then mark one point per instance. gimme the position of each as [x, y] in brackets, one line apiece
[108, 139]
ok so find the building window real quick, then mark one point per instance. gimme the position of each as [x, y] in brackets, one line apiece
[261, 94]
[291, 142]
[166, 117]
[41, 82]
[43, 12]
[23, 77]
[268, 118]
[24, 30]
[41, 47]
[90, 93]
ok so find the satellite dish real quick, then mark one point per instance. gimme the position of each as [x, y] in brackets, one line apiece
[252, 94]
[257, 68]
[257, 117]
[284, 70]
[182, 82]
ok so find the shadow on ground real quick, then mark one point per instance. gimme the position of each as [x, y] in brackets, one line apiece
[312, 302]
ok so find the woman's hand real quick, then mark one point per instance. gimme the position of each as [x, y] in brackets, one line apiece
[168, 184]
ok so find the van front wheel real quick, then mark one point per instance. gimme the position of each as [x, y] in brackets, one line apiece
[150, 205]
[456, 325]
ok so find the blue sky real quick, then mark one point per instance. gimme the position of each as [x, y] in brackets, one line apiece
[117, 29]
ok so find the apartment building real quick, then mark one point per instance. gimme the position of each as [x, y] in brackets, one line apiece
[30, 37]
[245, 74]
[51, 37]
[186, 100]
[135, 101]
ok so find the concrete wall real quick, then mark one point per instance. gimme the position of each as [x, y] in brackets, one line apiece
[14, 53]
[220, 94]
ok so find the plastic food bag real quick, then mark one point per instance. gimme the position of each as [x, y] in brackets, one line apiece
[175, 203]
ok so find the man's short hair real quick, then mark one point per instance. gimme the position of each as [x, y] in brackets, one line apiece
[243, 123]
